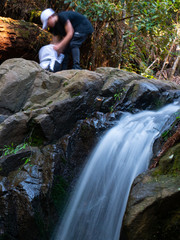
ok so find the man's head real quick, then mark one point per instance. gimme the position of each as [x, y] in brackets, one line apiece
[47, 18]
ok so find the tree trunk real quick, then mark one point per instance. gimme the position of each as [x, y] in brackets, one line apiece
[175, 65]
[21, 39]
[166, 59]
[122, 34]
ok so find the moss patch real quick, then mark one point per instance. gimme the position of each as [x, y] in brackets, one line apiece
[170, 162]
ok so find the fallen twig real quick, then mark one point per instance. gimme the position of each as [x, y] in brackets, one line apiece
[169, 143]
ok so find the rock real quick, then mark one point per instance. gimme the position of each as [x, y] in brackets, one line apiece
[17, 79]
[54, 167]
[13, 161]
[116, 80]
[20, 190]
[13, 129]
[3, 117]
[147, 95]
[153, 206]
[135, 92]
[61, 117]
[53, 103]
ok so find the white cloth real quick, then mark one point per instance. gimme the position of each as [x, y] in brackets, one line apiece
[48, 56]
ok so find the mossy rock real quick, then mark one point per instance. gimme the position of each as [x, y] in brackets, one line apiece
[170, 162]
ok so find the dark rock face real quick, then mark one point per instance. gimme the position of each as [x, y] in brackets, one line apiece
[153, 206]
[61, 117]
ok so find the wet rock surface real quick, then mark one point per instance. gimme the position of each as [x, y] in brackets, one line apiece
[61, 116]
[153, 207]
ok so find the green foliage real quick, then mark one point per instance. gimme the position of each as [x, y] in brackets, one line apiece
[148, 76]
[126, 32]
[154, 14]
[96, 10]
[117, 97]
[178, 116]
[27, 160]
[11, 149]
[34, 14]
[75, 94]
[167, 133]
[65, 84]
[129, 32]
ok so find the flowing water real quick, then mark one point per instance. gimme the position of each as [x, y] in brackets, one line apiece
[96, 209]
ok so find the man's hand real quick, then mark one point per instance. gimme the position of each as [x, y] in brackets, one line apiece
[58, 47]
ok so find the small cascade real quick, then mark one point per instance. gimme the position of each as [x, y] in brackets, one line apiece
[97, 207]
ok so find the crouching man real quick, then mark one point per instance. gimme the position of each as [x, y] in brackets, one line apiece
[73, 28]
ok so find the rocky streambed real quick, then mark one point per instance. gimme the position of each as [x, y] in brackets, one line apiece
[49, 124]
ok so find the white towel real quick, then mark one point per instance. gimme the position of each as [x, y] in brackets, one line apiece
[48, 56]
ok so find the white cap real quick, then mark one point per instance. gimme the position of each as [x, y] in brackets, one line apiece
[45, 15]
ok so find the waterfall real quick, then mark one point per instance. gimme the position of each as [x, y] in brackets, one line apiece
[96, 209]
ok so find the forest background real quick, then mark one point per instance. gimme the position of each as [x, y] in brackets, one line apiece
[139, 36]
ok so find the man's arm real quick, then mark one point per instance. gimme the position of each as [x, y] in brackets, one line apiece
[59, 47]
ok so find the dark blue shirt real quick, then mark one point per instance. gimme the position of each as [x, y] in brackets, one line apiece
[79, 22]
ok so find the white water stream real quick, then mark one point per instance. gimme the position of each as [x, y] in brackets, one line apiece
[96, 209]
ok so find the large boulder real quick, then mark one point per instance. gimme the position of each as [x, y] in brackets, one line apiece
[49, 123]
[34, 181]
[153, 207]
[52, 103]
